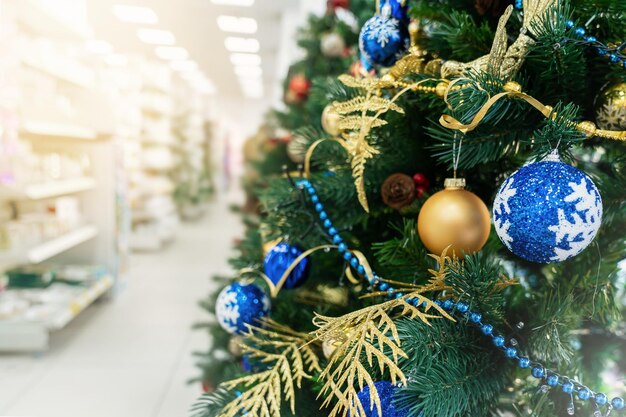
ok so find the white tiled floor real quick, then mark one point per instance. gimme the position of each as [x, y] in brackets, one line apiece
[130, 356]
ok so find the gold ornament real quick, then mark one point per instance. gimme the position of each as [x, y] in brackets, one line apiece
[331, 344]
[454, 216]
[234, 346]
[512, 87]
[330, 120]
[296, 148]
[611, 111]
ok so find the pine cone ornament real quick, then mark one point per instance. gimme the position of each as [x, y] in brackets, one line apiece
[398, 191]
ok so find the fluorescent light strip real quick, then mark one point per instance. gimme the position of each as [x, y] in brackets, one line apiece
[247, 45]
[156, 36]
[245, 60]
[242, 3]
[236, 24]
[135, 14]
[171, 53]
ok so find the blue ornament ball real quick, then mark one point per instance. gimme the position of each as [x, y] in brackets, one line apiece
[239, 305]
[547, 211]
[386, 391]
[383, 39]
[396, 8]
[278, 260]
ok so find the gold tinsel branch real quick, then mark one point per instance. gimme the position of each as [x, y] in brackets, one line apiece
[365, 335]
[290, 358]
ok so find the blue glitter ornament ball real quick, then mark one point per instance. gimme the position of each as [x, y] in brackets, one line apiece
[547, 211]
[386, 391]
[278, 260]
[384, 39]
[240, 304]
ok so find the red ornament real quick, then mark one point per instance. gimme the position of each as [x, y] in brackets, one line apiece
[207, 387]
[299, 88]
[331, 5]
[421, 179]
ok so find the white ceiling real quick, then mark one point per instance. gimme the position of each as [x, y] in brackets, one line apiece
[194, 23]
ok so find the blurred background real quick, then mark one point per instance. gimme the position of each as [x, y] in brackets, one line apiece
[122, 124]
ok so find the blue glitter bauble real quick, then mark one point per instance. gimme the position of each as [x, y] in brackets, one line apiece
[547, 211]
[396, 9]
[278, 260]
[386, 391]
[383, 40]
[239, 305]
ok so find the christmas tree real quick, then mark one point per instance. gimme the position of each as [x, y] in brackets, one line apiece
[450, 245]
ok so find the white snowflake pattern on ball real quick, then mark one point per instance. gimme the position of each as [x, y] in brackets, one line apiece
[500, 207]
[227, 310]
[585, 229]
[383, 29]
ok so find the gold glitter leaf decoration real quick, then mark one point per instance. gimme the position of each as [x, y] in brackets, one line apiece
[289, 358]
[372, 331]
[361, 103]
[358, 117]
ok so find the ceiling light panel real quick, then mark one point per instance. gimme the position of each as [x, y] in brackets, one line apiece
[236, 24]
[242, 3]
[247, 45]
[156, 36]
[171, 53]
[135, 14]
[245, 60]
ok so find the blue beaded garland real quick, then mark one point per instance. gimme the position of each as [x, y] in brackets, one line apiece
[568, 387]
[327, 223]
[552, 380]
[462, 307]
[498, 341]
[448, 304]
[487, 329]
[475, 317]
[239, 305]
[279, 258]
[537, 372]
[524, 363]
[510, 352]
[617, 403]
[342, 247]
[601, 399]
[319, 207]
[584, 394]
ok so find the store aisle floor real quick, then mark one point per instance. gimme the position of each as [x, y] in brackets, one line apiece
[130, 356]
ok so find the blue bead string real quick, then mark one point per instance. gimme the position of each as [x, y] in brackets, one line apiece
[550, 379]
[613, 54]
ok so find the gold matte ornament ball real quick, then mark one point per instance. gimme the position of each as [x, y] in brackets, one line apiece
[611, 108]
[454, 216]
[330, 120]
